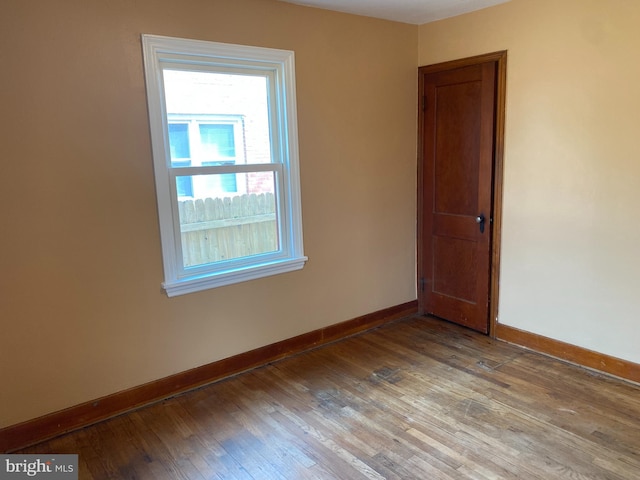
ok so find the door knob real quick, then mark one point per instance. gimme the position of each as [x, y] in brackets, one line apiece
[480, 221]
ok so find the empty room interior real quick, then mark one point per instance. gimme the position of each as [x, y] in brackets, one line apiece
[345, 346]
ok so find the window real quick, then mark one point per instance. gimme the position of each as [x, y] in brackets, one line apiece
[225, 152]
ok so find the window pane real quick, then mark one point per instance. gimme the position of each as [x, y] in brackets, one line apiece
[180, 155]
[198, 94]
[219, 227]
[184, 185]
[218, 143]
[179, 141]
[228, 182]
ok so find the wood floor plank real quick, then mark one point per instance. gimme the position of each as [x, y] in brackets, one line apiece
[415, 399]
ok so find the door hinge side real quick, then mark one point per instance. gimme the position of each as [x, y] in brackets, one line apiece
[422, 282]
[424, 103]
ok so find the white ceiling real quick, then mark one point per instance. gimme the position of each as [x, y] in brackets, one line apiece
[406, 11]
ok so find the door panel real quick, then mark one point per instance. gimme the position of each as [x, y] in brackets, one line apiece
[456, 192]
[454, 264]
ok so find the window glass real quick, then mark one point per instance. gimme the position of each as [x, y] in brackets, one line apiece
[180, 155]
[179, 142]
[218, 142]
[221, 228]
[205, 93]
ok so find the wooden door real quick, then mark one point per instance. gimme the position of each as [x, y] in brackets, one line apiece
[457, 145]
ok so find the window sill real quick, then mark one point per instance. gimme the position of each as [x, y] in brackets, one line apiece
[213, 280]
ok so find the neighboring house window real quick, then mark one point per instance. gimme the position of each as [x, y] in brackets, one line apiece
[205, 140]
[224, 137]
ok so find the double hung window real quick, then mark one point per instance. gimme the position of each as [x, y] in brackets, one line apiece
[224, 139]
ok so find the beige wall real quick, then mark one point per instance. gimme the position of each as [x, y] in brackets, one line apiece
[570, 265]
[82, 313]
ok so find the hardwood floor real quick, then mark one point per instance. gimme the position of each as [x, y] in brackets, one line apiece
[415, 399]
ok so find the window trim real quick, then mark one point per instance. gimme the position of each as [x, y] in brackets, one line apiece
[158, 53]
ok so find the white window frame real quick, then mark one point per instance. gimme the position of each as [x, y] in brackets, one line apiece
[177, 53]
